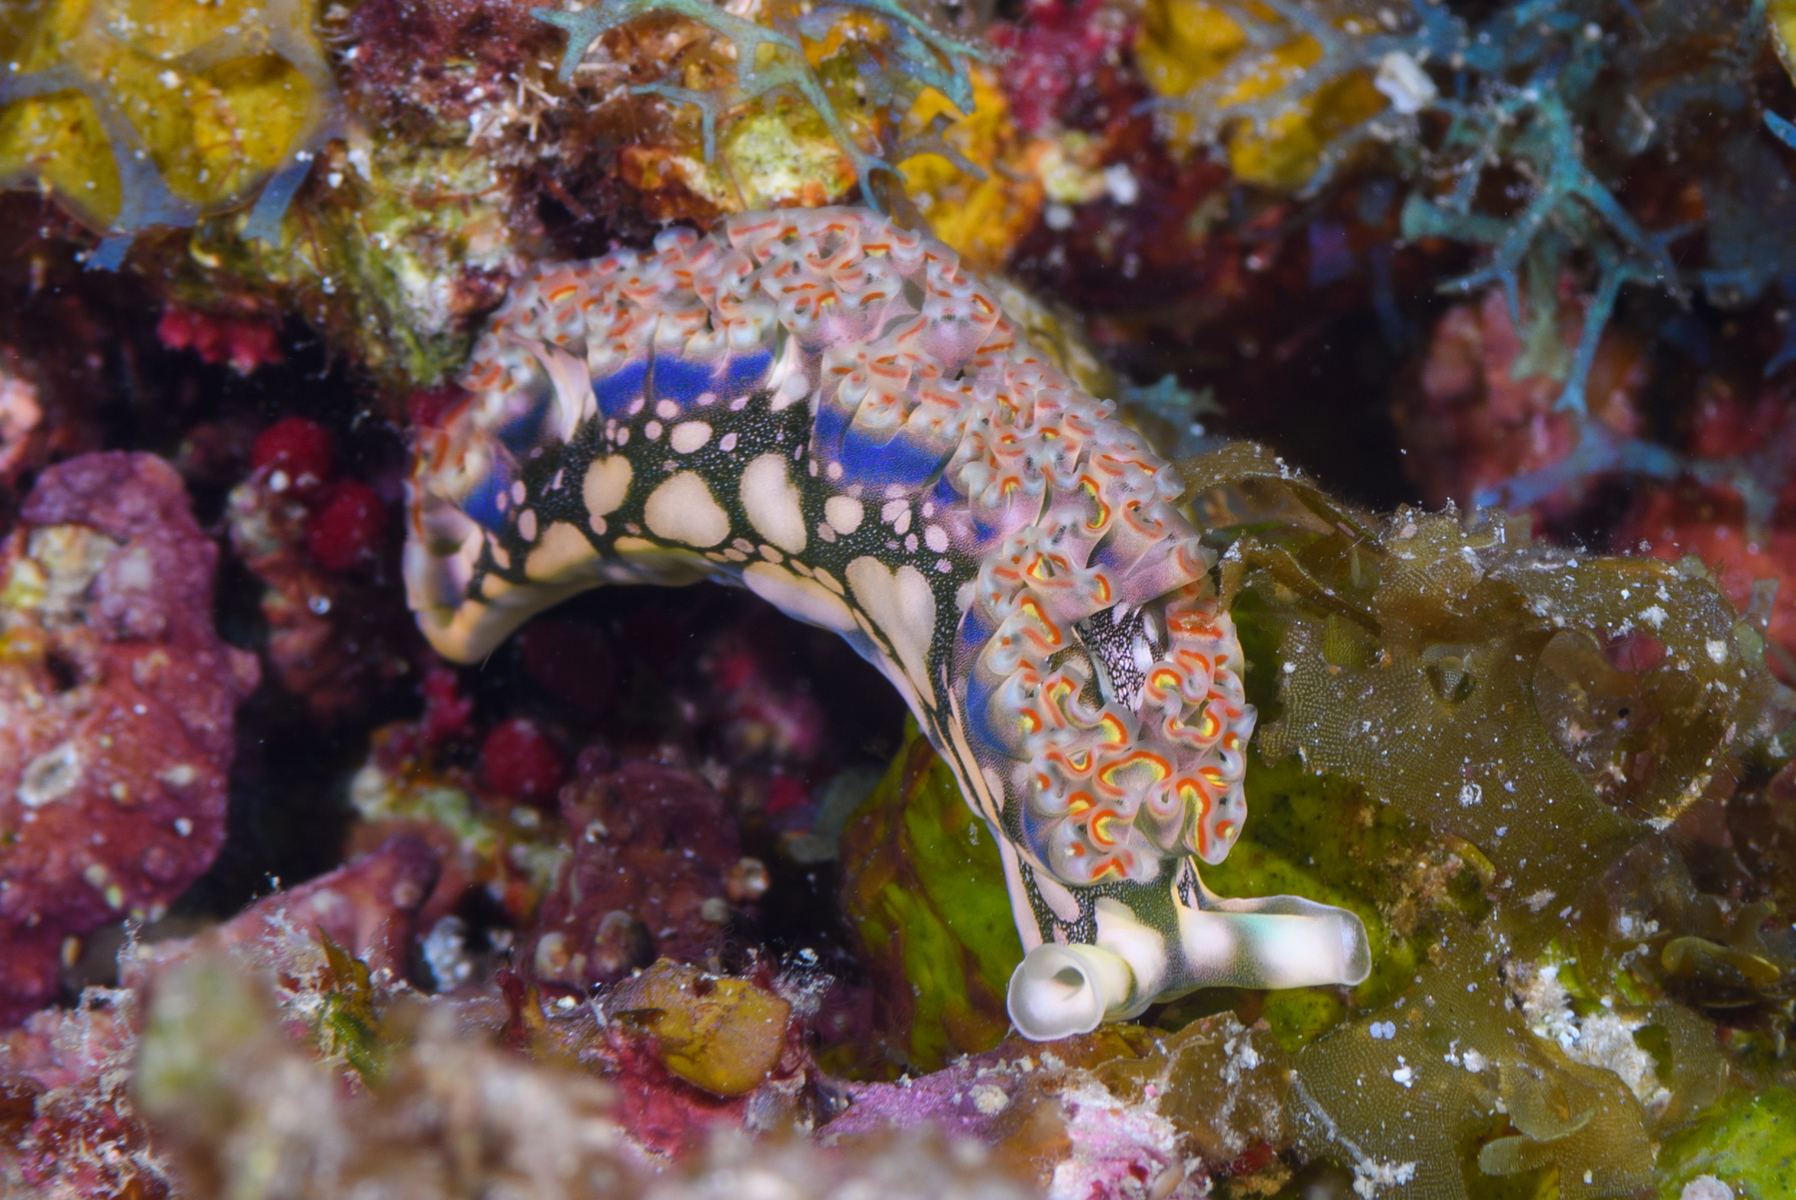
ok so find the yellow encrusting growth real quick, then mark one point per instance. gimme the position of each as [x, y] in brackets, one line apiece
[1186, 45]
[138, 112]
[982, 219]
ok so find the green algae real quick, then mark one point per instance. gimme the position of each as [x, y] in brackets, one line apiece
[1548, 708]
[1534, 719]
[924, 891]
[1321, 838]
[203, 1011]
[1446, 1090]
[1748, 1142]
[346, 1021]
[723, 1035]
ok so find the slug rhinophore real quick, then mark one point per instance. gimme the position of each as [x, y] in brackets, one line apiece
[828, 410]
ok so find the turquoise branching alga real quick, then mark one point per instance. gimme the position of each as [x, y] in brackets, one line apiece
[827, 410]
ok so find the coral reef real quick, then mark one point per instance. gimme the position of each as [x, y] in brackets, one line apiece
[885, 53]
[73, 1069]
[661, 896]
[395, 190]
[71, 1125]
[410, 785]
[1104, 1114]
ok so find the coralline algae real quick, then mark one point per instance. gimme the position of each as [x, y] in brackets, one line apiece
[116, 702]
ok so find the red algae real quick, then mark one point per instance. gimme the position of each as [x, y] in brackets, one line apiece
[1056, 50]
[345, 530]
[520, 761]
[1483, 410]
[303, 451]
[335, 636]
[243, 343]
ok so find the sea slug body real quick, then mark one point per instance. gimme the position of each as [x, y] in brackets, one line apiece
[828, 410]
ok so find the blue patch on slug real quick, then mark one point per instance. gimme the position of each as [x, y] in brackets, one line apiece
[618, 390]
[486, 504]
[900, 460]
[981, 732]
[744, 373]
[826, 438]
[681, 381]
[524, 432]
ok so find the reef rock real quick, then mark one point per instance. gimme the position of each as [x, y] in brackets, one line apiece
[116, 701]
[653, 849]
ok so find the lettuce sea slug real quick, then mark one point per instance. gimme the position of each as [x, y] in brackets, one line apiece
[827, 410]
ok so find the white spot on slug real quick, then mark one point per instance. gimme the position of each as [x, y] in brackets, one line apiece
[562, 549]
[844, 513]
[903, 606]
[688, 436]
[682, 509]
[607, 483]
[770, 501]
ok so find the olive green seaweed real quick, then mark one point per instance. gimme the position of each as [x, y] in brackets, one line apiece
[924, 890]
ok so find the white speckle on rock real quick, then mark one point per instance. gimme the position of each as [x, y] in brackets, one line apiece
[1369, 1175]
[1121, 184]
[989, 1098]
[50, 776]
[1404, 83]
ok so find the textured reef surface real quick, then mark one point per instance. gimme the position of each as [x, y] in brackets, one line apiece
[1435, 357]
